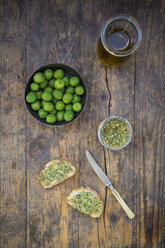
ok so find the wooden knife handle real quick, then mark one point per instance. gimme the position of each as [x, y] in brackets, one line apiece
[127, 210]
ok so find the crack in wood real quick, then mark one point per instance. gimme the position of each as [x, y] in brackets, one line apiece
[105, 167]
[105, 200]
[98, 232]
[134, 222]
[106, 80]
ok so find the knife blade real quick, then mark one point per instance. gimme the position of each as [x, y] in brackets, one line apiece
[100, 173]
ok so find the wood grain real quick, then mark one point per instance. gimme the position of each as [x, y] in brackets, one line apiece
[13, 126]
[35, 33]
[150, 130]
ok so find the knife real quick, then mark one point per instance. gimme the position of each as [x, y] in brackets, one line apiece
[100, 173]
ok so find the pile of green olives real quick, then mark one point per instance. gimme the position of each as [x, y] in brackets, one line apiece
[54, 96]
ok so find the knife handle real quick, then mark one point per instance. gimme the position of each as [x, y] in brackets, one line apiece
[127, 210]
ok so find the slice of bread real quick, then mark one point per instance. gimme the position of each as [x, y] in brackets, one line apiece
[87, 189]
[55, 182]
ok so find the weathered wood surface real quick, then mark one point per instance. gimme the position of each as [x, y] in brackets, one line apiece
[35, 33]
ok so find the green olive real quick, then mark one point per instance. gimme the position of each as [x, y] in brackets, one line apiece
[42, 113]
[43, 84]
[38, 77]
[59, 84]
[36, 105]
[48, 106]
[47, 96]
[48, 89]
[31, 97]
[51, 119]
[79, 90]
[39, 94]
[66, 81]
[74, 81]
[60, 106]
[77, 106]
[58, 74]
[76, 98]
[58, 94]
[69, 89]
[60, 116]
[53, 112]
[51, 83]
[48, 74]
[67, 98]
[68, 115]
[68, 107]
[34, 86]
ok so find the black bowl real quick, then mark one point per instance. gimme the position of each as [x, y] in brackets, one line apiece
[69, 72]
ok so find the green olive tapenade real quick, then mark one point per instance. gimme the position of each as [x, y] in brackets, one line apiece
[86, 201]
[56, 171]
[115, 133]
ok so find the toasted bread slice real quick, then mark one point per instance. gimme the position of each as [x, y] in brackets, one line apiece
[58, 163]
[94, 193]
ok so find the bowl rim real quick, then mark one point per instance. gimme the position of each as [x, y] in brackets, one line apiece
[137, 27]
[100, 130]
[43, 68]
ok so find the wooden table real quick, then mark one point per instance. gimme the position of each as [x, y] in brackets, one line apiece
[35, 33]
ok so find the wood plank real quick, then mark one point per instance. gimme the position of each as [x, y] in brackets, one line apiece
[149, 128]
[13, 123]
[114, 228]
[92, 231]
[52, 40]
[119, 165]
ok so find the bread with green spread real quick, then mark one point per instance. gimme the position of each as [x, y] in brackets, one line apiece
[87, 201]
[55, 172]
